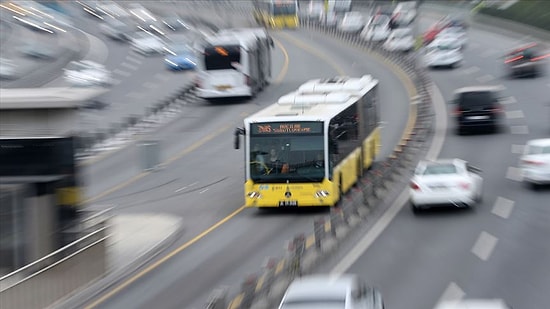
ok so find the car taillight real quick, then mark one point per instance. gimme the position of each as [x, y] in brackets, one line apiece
[415, 186]
[457, 111]
[513, 59]
[248, 80]
[464, 185]
[496, 109]
[532, 162]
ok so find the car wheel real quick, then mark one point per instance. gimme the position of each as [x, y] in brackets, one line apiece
[414, 208]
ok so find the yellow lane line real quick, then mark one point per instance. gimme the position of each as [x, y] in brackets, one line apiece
[162, 260]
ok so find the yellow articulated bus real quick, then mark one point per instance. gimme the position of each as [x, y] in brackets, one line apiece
[277, 14]
[312, 145]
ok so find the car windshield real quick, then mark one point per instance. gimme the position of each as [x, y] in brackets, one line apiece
[538, 149]
[442, 46]
[440, 169]
[477, 98]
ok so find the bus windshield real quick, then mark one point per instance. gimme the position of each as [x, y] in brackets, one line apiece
[222, 57]
[288, 8]
[296, 157]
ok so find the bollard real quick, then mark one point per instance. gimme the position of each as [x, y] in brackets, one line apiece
[335, 220]
[319, 231]
[299, 244]
[217, 299]
[248, 289]
[269, 266]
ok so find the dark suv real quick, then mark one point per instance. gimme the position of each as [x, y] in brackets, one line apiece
[477, 107]
[524, 61]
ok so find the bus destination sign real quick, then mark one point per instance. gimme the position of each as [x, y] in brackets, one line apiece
[286, 128]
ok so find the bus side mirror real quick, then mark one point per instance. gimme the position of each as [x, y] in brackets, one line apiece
[238, 132]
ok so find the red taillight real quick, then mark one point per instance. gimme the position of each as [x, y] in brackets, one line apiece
[497, 109]
[513, 59]
[540, 57]
[464, 185]
[457, 111]
[532, 162]
[415, 186]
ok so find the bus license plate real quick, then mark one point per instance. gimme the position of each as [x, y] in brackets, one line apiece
[288, 203]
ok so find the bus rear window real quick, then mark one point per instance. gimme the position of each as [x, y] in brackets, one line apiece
[221, 57]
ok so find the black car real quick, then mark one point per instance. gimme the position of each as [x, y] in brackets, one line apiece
[477, 107]
[524, 61]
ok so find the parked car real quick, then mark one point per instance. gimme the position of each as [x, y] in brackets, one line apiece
[328, 19]
[443, 52]
[535, 162]
[527, 60]
[8, 69]
[87, 73]
[445, 183]
[477, 107]
[147, 43]
[353, 22]
[473, 304]
[400, 39]
[180, 56]
[377, 29]
[346, 291]
[457, 34]
[404, 13]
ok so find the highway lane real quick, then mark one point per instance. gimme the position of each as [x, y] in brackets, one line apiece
[500, 248]
[206, 196]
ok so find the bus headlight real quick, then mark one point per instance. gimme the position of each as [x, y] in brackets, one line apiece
[321, 193]
[254, 195]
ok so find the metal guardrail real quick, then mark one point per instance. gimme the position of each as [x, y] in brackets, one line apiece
[45, 281]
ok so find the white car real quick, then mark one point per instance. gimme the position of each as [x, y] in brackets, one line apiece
[87, 73]
[473, 304]
[445, 182]
[325, 291]
[353, 22]
[457, 34]
[404, 13]
[443, 52]
[377, 29]
[146, 43]
[535, 162]
[400, 39]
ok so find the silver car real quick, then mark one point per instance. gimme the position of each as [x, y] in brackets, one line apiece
[324, 291]
[535, 162]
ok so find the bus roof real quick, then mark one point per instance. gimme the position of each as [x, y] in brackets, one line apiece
[47, 98]
[260, 32]
[248, 41]
[316, 105]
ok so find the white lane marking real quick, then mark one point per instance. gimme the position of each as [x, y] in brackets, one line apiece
[435, 148]
[121, 72]
[514, 114]
[519, 129]
[129, 65]
[452, 293]
[485, 78]
[471, 70]
[518, 149]
[503, 207]
[133, 59]
[508, 100]
[514, 173]
[150, 85]
[484, 245]
[183, 188]
[202, 191]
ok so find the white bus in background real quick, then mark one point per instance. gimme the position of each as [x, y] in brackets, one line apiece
[234, 63]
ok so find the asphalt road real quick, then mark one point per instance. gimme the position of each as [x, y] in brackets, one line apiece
[203, 180]
[499, 249]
